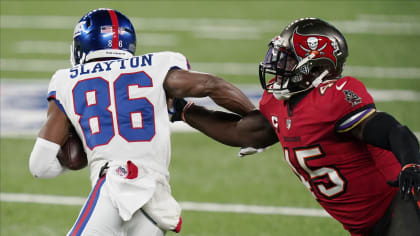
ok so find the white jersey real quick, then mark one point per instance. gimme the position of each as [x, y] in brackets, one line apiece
[119, 109]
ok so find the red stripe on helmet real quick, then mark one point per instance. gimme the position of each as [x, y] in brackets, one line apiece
[115, 27]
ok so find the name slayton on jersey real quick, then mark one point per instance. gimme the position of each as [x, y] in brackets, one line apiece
[133, 62]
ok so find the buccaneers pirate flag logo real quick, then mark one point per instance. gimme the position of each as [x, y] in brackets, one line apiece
[320, 46]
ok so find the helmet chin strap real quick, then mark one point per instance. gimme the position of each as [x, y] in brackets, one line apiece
[73, 60]
[285, 94]
[319, 79]
[83, 58]
[281, 94]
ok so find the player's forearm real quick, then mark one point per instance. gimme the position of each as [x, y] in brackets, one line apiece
[250, 130]
[217, 125]
[181, 83]
[230, 97]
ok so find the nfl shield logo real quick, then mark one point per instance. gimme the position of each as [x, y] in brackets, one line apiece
[121, 171]
[288, 123]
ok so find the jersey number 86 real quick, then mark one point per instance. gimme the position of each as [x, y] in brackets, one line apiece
[135, 117]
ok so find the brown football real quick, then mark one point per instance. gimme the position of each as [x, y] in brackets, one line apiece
[71, 154]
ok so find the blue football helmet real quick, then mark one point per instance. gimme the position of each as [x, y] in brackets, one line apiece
[102, 33]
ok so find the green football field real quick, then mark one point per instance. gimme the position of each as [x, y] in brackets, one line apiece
[35, 37]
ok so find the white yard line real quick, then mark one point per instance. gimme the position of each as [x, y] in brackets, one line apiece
[225, 68]
[393, 18]
[42, 47]
[188, 206]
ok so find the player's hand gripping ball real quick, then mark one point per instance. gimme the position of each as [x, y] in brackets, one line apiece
[71, 154]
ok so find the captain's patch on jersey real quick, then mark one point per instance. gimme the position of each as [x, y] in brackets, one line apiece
[352, 98]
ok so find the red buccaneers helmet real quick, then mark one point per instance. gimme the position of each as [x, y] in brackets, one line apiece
[307, 52]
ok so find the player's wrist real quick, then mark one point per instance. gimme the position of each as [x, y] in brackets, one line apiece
[185, 109]
[43, 162]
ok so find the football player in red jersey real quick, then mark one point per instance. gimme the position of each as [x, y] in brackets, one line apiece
[342, 149]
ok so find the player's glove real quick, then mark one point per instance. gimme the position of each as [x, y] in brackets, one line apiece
[175, 112]
[245, 151]
[408, 181]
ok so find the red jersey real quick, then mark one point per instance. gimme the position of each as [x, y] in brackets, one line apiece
[347, 177]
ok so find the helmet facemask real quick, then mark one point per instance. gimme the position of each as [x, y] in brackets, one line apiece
[285, 75]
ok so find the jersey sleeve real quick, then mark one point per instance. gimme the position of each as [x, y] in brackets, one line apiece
[52, 88]
[352, 103]
[179, 61]
[52, 91]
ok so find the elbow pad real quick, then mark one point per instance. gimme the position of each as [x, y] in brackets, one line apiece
[43, 162]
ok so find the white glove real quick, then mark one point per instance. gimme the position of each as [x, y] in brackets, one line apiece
[245, 151]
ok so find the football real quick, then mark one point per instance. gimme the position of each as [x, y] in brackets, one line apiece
[71, 154]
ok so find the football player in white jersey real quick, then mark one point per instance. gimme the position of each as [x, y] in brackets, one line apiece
[117, 103]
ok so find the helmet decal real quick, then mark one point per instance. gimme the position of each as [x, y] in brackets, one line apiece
[115, 28]
[78, 29]
[319, 45]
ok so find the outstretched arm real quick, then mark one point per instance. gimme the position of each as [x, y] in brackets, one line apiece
[181, 83]
[250, 130]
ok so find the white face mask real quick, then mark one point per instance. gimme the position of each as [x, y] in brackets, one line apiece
[281, 94]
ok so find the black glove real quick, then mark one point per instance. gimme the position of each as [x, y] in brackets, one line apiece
[409, 181]
[175, 113]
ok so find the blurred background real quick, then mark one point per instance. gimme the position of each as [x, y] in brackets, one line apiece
[220, 193]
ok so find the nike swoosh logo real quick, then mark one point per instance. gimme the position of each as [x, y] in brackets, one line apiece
[341, 86]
